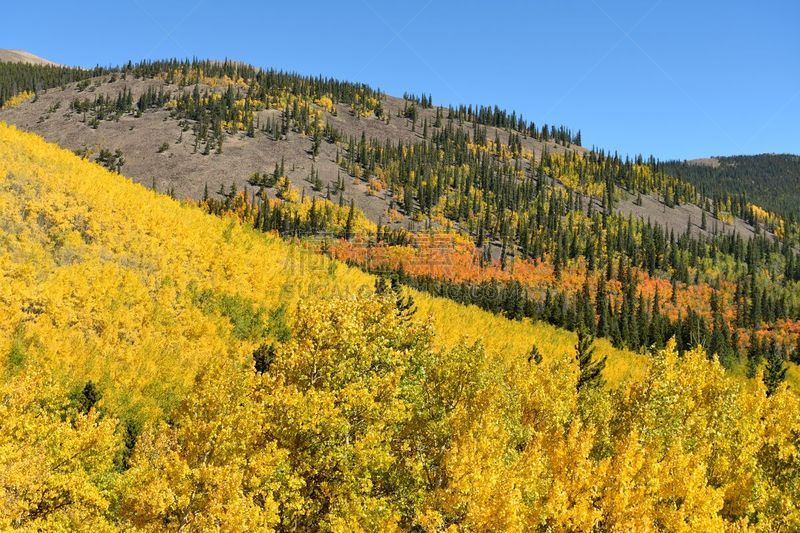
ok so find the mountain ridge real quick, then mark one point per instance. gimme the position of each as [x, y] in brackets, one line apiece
[21, 56]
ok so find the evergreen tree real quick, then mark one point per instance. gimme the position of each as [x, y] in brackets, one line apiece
[534, 355]
[88, 397]
[754, 355]
[796, 352]
[591, 371]
[348, 229]
[774, 371]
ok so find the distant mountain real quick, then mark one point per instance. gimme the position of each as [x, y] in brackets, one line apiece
[20, 56]
[769, 180]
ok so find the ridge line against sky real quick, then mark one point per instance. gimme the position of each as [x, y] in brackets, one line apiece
[670, 78]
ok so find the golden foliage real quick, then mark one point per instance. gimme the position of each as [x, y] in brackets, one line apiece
[17, 99]
[356, 415]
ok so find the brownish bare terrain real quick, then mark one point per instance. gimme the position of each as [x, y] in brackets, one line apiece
[19, 56]
[186, 171]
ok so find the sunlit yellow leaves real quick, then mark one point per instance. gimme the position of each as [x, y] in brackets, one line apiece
[358, 416]
[325, 103]
[17, 99]
[213, 467]
[55, 466]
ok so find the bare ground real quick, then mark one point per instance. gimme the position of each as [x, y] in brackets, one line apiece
[187, 171]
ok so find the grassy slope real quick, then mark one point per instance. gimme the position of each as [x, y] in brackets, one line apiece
[99, 276]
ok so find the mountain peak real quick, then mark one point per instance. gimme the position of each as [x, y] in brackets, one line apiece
[20, 56]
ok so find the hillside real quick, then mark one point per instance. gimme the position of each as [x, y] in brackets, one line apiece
[159, 150]
[168, 369]
[20, 56]
[771, 180]
[473, 203]
[160, 146]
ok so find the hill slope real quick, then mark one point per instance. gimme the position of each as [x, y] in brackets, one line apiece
[532, 224]
[166, 369]
[20, 56]
[770, 180]
[159, 147]
[160, 150]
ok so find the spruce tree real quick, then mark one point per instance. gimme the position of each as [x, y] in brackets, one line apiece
[534, 356]
[774, 371]
[348, 228]
[796, 353]
[591, 371]
[88, 397]
[753, 355]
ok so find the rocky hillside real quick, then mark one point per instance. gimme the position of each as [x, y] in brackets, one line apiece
[158, 149]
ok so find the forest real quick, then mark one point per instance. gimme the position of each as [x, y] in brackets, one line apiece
[545, 231]
[770, 180]
[510, 348]
[546, 238]
[167, 371]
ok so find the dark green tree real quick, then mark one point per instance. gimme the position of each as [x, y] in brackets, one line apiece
[591, 371]
[88, 397]
[774, 370]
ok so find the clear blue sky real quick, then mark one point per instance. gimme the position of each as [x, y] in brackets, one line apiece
[675, 78]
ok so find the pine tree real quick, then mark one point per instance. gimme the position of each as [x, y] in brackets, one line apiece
[591, 372]
[88, 397]
[754, 355]
[348, 229]
[603, 309]
[534, 355]
[774, 371]
[796, 353]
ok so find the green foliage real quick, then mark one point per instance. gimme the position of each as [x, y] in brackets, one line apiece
[774, 370]
[535, 356]
[20, 77]
[16, 357]
[248, 320]
[770, 180]
[88, 398]
[590, 371]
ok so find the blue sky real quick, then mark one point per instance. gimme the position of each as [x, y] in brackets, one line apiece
[673, 78]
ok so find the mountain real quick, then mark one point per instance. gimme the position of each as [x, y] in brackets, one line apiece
[19, 56]
[168, 369]
[474, 203]
[155, 153]
[159, 149]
